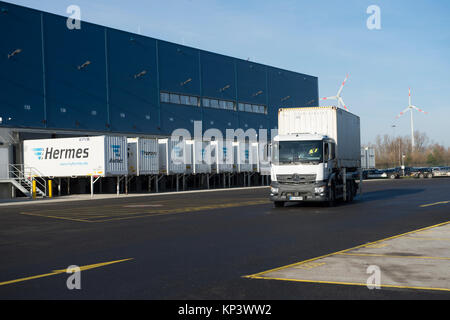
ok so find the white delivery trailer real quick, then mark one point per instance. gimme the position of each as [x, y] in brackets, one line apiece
[172, 156]
[143, 158]
[222, 156]
[76, 157]
[316, 155]
[198, 155]
[254, 156]
[264, 158]
[241, 151]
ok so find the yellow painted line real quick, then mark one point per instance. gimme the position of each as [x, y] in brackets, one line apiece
[55, 272]
[53, 217]
[377, 246]
[183, 210]
[96, 265]
[349, 283]
[390, 256]
[310, 265]
[256, 275]
[434, 204]
[146, 213]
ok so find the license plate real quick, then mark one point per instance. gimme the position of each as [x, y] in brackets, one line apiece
[296, 198]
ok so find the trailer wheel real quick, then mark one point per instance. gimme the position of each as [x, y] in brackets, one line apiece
[278, 204]
[430, 176]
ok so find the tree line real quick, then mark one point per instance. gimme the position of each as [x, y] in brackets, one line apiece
[396, 151]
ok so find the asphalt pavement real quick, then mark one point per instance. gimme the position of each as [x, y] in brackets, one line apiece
[207, 245]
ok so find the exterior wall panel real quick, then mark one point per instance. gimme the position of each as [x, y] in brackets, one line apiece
[218, 76]
[251, 82]
[21, 76]
[133, 90]
[75, 75]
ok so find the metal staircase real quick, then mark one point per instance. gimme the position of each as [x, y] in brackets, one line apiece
[22, 178]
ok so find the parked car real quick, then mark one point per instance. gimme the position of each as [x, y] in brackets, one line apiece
[407, 171]
[393, 173]
[374, 174]
[441, 171]
[421, 173]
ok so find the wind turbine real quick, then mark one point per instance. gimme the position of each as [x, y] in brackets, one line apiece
[338, 95]
[410, 109]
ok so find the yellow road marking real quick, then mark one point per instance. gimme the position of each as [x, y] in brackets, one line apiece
[54, 217]
[55, 272]
[434, 204]
[377, 246]
[259, 274]
[310, 265]
[133, 215]
[349, 283]
[390, 256]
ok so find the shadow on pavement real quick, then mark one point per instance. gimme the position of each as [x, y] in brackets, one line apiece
[385, 194]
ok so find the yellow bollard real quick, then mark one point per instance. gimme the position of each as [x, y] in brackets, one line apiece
[33, 191]
[50, 191]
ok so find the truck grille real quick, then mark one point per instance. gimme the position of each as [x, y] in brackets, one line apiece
[296, 178]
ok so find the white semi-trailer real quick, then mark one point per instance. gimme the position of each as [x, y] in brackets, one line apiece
[102, 156]
[315, 156]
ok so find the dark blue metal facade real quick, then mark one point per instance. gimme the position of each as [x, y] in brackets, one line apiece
[100, 79]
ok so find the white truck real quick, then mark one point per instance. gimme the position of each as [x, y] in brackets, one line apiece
[315, 156]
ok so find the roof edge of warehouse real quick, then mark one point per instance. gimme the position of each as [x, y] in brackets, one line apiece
[174, 43]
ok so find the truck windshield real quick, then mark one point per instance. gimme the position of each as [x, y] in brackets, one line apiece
[291, 152]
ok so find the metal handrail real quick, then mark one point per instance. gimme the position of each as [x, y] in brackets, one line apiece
[37, 176]
[22, 173]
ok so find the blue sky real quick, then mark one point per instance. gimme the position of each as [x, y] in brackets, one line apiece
[325, 38]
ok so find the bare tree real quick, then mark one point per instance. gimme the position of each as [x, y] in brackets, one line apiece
[389, 151]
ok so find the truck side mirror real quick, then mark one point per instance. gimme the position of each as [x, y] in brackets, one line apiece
[332, 151]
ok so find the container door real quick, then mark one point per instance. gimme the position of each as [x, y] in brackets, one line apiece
[163, 146]
[116, 149]
[148, 154]
[133, 167]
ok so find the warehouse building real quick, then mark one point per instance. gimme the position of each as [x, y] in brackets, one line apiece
[57, 82]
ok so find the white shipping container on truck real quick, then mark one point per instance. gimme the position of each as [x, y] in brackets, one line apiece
[315, 156]
[338, 124]
[76, 157]
[143, 156]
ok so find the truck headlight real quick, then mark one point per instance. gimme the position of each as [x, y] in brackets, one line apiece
[320, 189]
[274, 190]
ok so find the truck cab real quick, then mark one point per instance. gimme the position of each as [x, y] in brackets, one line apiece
[302, 166]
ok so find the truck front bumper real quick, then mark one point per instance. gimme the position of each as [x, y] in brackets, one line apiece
[299, 192]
